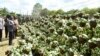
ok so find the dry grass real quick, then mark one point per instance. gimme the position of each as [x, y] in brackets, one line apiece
[4, 45]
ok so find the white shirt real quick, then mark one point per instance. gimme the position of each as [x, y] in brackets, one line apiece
[16, 22]
[1, 23]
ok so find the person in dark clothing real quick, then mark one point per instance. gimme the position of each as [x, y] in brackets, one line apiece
[10, 27]
[0, 35]
[6, 29]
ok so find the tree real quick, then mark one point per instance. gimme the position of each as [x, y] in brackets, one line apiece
[92, 11]
[3, 11]
[98, 9]
[12, 13]
[89, 11]
[73, 11]
[85, 10]
[60, 11]
[44, 12]
[53, 12]
[37, 10]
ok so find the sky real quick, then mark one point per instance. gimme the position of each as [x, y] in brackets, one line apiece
[26, 6]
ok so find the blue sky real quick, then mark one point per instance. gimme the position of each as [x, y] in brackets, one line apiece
[26, 6]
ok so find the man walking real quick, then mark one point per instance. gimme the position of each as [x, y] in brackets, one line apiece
[16, 24]
[10, 26]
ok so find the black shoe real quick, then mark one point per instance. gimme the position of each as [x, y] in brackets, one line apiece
[6, 37]
[0, 40]
[10, 44]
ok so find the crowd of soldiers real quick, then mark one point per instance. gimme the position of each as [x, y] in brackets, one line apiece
[10, 25]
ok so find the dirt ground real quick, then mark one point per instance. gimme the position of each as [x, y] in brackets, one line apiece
[4, 45]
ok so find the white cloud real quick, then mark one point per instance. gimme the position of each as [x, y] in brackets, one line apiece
[26, 6]
[70, 4]
[52, 4]
[94, 3]
[79, 4]
[12, 5]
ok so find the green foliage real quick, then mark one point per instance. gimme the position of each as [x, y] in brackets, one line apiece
[44, 12]
[53, 36]
[3, 11]
[90, 11]
[67, 34]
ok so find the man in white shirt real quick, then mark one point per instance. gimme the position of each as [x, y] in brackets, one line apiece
[1, 27]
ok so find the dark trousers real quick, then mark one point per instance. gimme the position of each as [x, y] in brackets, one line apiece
[6, 31]
[0, 34]
[15, 33]
[11, 36]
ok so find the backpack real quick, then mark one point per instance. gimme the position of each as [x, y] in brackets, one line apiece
[10, 24]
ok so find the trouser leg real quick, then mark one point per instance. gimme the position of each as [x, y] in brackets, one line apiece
[0, 34]
[15, 33]
[6, 31]
[11, 36]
